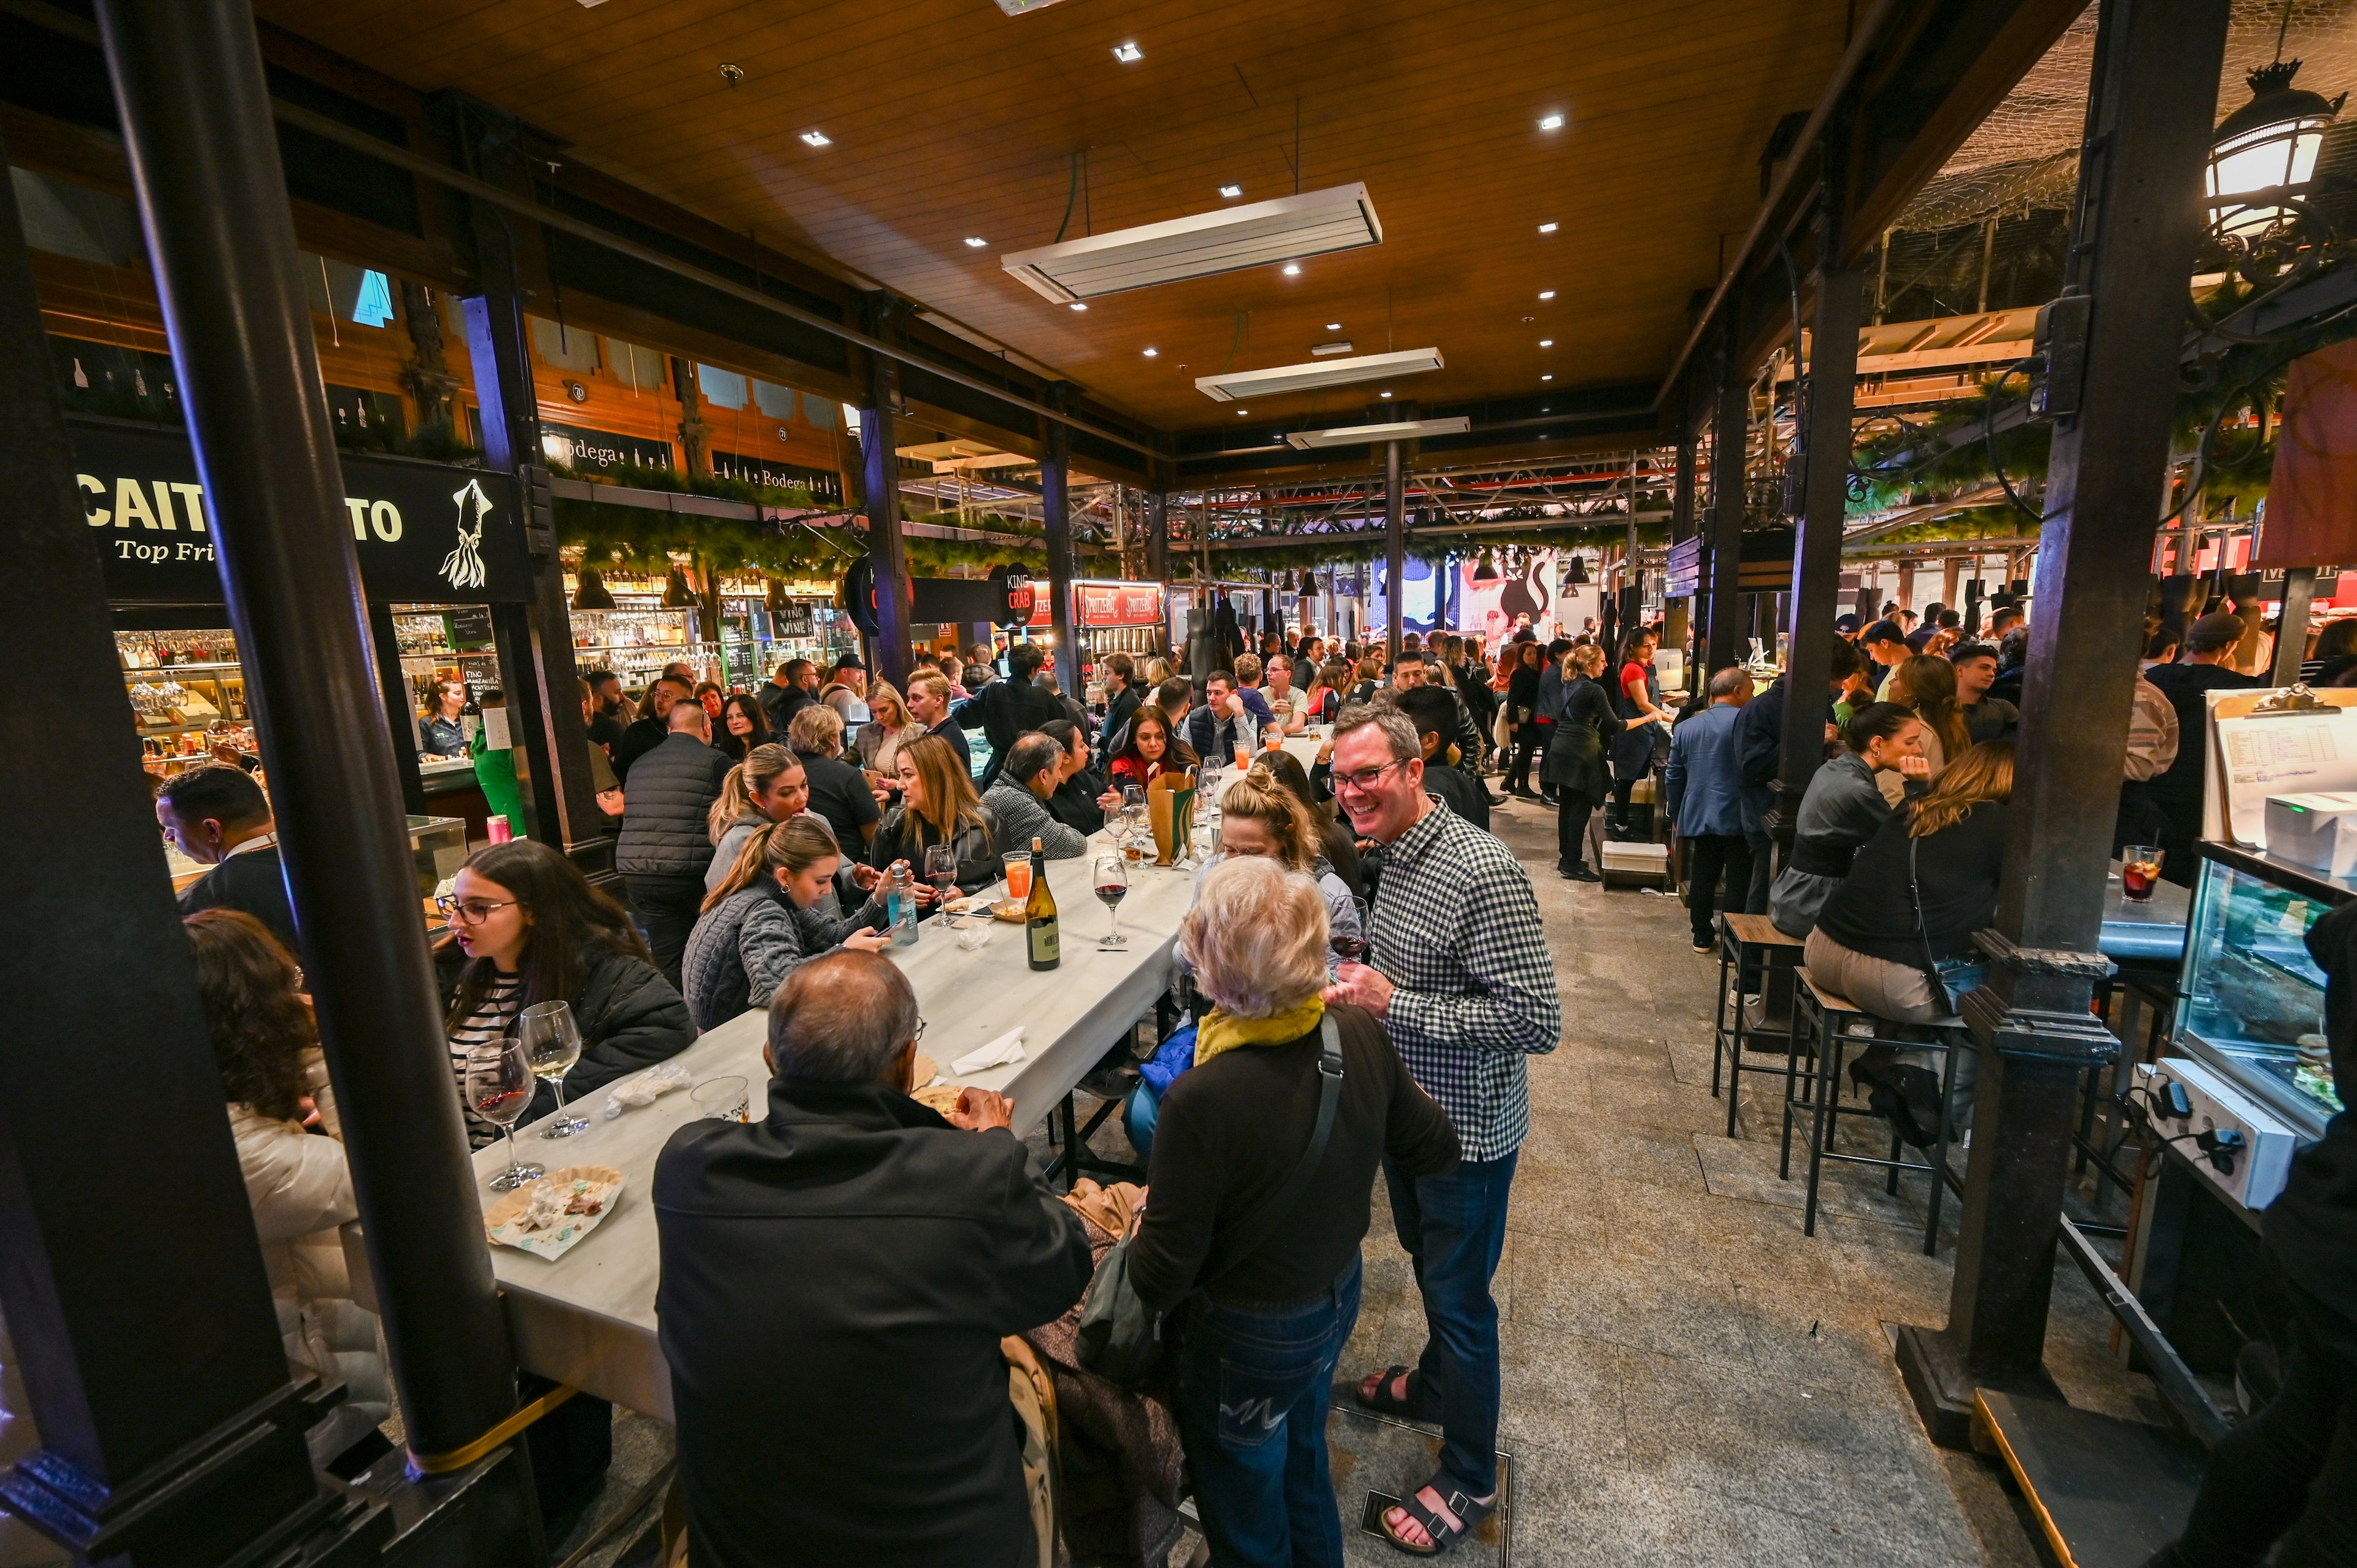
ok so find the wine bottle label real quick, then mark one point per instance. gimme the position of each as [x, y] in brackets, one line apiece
[1046, 943]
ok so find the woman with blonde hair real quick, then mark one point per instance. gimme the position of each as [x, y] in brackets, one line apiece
[880, 737]
[1158, 669]
[1281, 1081]
[1259, 816]
[1896, 937]
[1575, 765]
[1927, 686]
[938, 806]
[768, 786]
[838, 792]
[765, 919]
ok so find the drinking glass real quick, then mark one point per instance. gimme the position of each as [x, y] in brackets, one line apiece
[2139, 872]
[1345, 945]
[722, 1099]
[940, 870]
[500, 1082]
[1111, 880]
[552, 1044]
[1017, 864]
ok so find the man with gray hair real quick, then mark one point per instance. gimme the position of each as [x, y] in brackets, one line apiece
[1703, 793]
[1017, 800]
[836, 1277]
[1457, 969]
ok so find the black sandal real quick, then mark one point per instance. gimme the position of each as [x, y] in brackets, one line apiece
[1409, 1404]
[1456, 1516]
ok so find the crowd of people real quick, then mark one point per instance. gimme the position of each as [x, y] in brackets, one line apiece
[1365, 975]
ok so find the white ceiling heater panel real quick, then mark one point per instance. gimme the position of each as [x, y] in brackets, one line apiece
[1365, 435]
[1288, 228]
[1238, 385]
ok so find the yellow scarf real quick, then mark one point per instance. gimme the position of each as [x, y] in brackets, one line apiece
[1223, 1031]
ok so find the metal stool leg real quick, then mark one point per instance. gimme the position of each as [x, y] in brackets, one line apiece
[1939, 1151]
[1735, 1048]
[1718, 1022]
[1791, 1074]
[1829, 1049]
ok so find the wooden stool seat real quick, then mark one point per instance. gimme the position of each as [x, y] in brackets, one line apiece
[1759, 932]
[1754, 958]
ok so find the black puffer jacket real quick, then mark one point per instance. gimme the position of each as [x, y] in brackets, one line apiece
[667, 798]
[630, 1018]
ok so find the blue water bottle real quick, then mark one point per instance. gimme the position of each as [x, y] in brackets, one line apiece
[901, 907]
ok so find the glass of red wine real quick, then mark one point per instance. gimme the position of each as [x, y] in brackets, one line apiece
[940, 870]
[500, 1083]
[1111, 879]
[2140, 871]
[1349, 942]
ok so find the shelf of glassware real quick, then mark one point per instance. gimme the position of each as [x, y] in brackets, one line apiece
[2251, 1000]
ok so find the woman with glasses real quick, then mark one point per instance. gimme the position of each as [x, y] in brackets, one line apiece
[535, 930]
[768, 918]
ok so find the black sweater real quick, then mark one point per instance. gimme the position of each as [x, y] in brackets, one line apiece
[1873, 911]
[2312, 1228]
[1232, 1130]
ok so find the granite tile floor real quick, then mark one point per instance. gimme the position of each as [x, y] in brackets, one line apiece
[1688, 1379]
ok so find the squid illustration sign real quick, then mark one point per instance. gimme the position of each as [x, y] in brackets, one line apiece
[425, 532]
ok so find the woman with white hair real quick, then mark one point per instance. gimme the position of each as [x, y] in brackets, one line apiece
[1260, 1190]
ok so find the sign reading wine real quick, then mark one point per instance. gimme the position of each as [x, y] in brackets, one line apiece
[425, 532]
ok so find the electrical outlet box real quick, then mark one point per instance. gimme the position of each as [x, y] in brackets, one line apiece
[2061, 347]
[2261, 1158]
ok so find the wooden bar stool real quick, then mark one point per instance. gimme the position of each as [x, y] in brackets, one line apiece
[1754, 958]
[1835, 1028]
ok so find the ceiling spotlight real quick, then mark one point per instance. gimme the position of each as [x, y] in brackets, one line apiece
[1552, 122]
[1129, 54]
[1546, 378]
[817, 139]
[1384, 394]
[1241, 411]
[732, 74]
[1543, 293]
[1154, 353]
[1546, 227]
[1232, 191]
[1546, 342]
[1293, 269]
[1333, 327]
[976, 241]
[1080, 305]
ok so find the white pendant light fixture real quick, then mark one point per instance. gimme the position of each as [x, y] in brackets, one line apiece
[2266, 150]
[1287, 230]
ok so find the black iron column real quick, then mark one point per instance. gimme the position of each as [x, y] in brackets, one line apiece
[2292, 631]
[400, 709]
[538, 675]
[1394, 544]
[204, 159]
[1723, 560]
[1816, 549]
[2138, 221]
[888, 548]
[156, 1376]
[1056, 511]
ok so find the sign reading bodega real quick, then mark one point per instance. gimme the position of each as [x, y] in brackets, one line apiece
[425, 532]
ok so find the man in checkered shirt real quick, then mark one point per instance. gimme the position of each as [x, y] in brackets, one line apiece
[1459, 972]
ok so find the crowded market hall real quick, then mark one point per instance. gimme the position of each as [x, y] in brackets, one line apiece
[584, 660]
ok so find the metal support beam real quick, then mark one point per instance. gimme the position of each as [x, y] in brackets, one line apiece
[887, 550]
[2291, 633]
[1816, 555]
[1056, 513]
[1394, 543]
[1730, 436]
[165, 1414]
[2136, 223]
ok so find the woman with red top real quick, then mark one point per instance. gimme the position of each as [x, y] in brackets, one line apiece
[1638, 697]
[1152, 750]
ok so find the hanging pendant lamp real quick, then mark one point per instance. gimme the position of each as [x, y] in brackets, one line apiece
[590, 590]
[1485, 570]
[2266, 149]
[774, 593]
[1577, 576]
[677, 594]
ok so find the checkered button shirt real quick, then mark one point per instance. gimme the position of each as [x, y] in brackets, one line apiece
[1456, 930]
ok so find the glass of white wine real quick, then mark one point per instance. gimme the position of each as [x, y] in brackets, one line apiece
[500, 1084]
[552, 1044]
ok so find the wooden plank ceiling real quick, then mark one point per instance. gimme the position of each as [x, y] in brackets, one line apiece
[946, 119]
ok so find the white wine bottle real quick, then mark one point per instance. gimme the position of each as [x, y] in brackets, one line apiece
[1039, 914]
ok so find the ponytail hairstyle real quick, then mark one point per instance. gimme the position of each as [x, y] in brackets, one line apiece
[793, 845]
[1929, 682]
[1876, 721]
[1257, 797]
[1984, 772]
[750, 777]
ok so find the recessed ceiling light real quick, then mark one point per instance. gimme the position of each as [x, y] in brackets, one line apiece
[1232, 191]
[1333, 327]
[1129, 54]
[976, 241]
[1546, 227]
[1547, 293]
[1384, 394]
[1241, 411]
[817, 139]
[1154, 353]
[1546, 342]
[1546, 378]
[1552, 122]
[1080, 305]
[1293, 269]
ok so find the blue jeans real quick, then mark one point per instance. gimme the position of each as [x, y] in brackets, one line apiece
[1253, 1386]
[1453, 1227]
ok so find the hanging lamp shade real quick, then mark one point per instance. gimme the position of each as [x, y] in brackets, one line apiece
[774, 593]
[2266, 150]
[1577, 575]
[677, 594]
[1485, 570]
[590, 590]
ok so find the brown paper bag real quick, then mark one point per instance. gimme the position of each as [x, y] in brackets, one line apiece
[1170, 807]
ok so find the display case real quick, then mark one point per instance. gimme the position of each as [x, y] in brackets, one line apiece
[187, 694]
[441, 643]
[437, 848]
[2251, 1001]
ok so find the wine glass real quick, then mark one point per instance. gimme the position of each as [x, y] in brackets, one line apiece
[552, 1044]
[940, 870]
[500, 1082]
[1344, 944]
[1111, 879]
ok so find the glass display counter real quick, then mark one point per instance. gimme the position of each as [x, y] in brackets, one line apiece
[438, 847]
[2251, 1000]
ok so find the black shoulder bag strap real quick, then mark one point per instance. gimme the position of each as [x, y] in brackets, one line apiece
[1263, 1224]
[1940, 997]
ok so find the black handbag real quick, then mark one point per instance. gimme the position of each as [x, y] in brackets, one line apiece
[1120, 1337]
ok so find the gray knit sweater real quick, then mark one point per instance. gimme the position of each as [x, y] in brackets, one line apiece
[1022, 816]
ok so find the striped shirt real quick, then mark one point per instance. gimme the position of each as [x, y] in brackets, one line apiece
[489, 1024]
[1456, 930]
